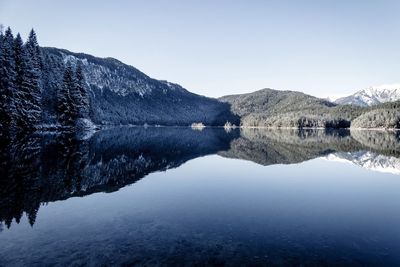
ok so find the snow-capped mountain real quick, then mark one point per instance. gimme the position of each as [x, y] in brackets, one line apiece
[372, 96]
[368, 160]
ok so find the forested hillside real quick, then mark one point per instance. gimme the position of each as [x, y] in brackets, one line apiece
[50, 87]
[269, 101]
[20, 89]
[274, 108]
[121, 94]
[24, 76]
[42, 88]
[380, 117]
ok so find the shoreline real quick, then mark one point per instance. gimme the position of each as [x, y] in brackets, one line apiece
[55, 129]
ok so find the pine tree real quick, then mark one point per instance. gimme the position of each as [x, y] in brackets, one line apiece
[81, 94]
[26, 112]
[73, 99]
[35, 63]
[7, 77]
[65, 108]
[2, 90]
[34, 52]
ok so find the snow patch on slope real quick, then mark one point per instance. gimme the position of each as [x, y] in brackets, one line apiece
[103, 77]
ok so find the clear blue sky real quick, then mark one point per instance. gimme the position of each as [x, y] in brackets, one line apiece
[223, 47]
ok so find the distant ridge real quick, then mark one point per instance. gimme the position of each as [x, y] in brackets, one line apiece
[291, 109]
[371, 96]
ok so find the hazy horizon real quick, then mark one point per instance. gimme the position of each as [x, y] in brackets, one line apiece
[215, 49]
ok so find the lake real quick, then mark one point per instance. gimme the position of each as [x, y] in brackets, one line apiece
[166, 196]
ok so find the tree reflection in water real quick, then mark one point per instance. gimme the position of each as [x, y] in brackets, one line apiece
[39, 169]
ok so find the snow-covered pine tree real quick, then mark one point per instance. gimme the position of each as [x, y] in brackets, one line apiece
[34, 51]
[82, 96]
[2, 90]
[52, 80]
[65, 108]
[35, 63]
[20, 92]
[27, 90]
[7, 77]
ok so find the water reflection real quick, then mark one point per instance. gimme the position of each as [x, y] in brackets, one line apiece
[45, 168]
[222, 209]
[368, 160]
[288, 146]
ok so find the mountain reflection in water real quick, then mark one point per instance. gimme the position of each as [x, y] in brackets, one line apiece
[44, 168]
[227, 208]
[40, 169]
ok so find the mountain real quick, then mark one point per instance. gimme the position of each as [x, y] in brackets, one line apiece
[291, 109]
[381, 117]
[276, 108]
[372, 96]
[269, 101]
[121, 94]
[61, 90]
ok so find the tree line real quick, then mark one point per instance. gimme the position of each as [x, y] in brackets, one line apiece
[21, 87]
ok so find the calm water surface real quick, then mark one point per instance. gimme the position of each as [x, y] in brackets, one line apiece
[183, 197]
